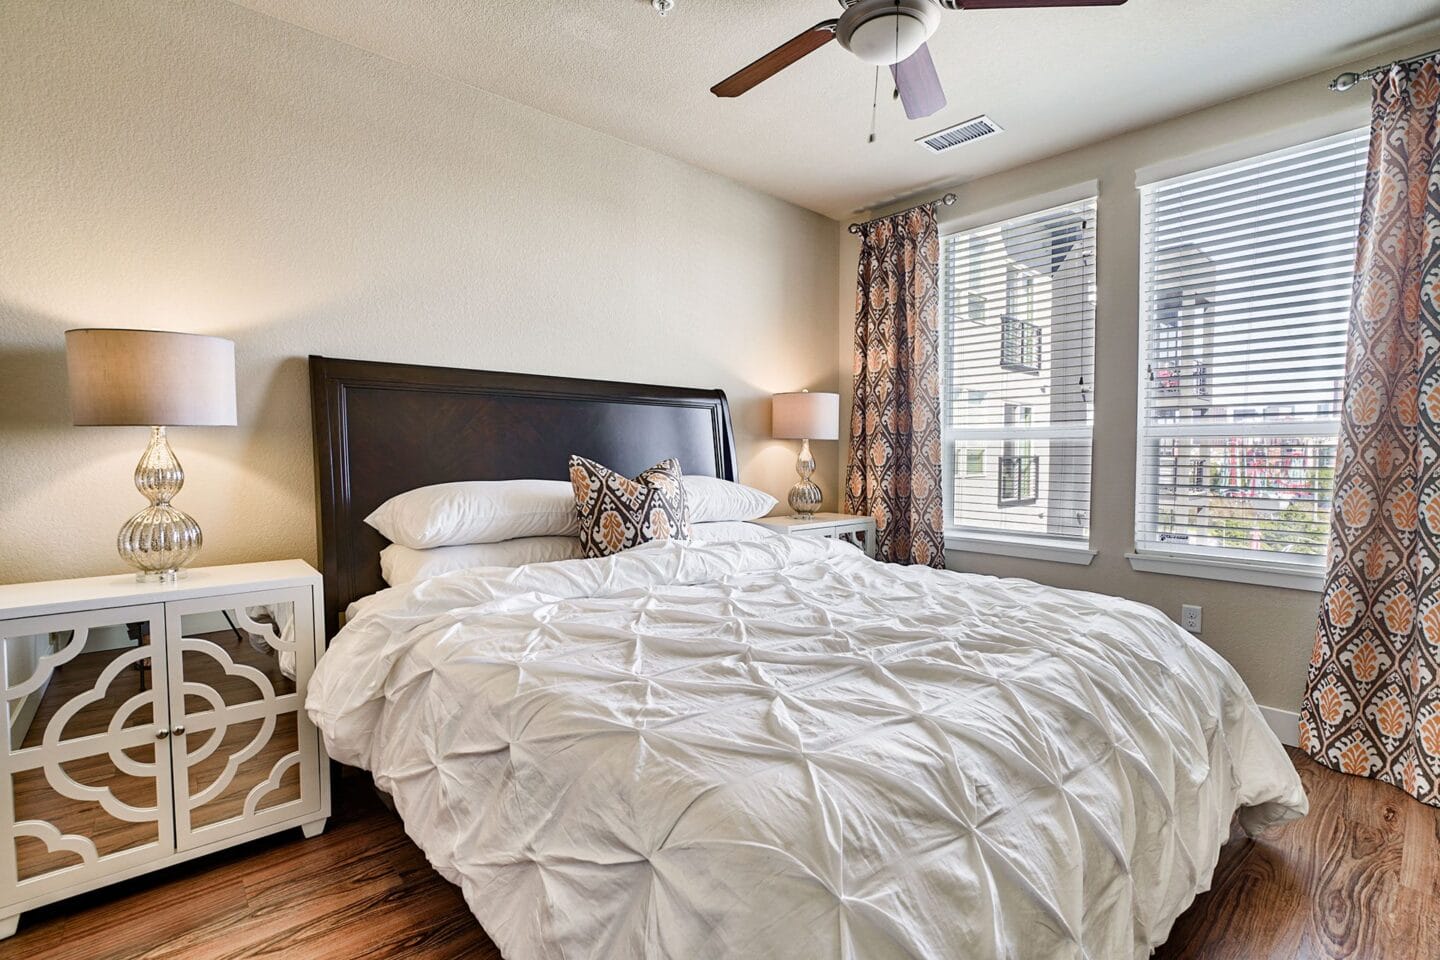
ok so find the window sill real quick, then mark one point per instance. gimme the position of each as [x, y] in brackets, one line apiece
[1289, 576]
[1021, 549]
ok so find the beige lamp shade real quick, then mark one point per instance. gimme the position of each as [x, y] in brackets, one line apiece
[805, 416]
[150, 378]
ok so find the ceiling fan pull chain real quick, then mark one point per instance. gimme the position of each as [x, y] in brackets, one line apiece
[874, 104]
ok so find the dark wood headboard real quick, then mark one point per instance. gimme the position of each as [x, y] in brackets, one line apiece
[384, 428]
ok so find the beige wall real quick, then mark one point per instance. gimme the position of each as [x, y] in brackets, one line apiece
[197, 166]
[1265, 632]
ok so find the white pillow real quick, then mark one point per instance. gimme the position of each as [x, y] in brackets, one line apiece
[400, 565]
[477, 511]
[709, 499]
[719, 530]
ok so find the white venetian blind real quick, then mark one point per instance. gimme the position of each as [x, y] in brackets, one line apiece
[1247, 276]
[1018, 317]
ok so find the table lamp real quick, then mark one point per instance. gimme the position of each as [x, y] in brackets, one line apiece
[805, 416]
[155, 379]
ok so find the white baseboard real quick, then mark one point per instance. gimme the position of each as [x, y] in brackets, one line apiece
[1285, 723]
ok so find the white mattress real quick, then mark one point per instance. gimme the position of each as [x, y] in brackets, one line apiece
[784, 749]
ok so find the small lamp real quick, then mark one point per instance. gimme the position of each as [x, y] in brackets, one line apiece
[805, 416]
[155, 379]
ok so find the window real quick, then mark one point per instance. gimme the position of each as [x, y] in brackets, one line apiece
[1018, 380]
[1019, 476]
[1019, 344]
[1019, 334]
[1247, 272]
[1020, 292]
[1019, 467]
[976, 306]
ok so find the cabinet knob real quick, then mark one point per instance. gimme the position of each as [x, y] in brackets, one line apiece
[161, 734]
[178, 730]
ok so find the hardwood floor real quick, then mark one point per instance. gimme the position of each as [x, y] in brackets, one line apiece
[359, 890]
[1359, 878]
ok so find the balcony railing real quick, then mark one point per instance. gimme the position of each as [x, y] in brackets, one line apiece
[1019, 480]
[1020, 347]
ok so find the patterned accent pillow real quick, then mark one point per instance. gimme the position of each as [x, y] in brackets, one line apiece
[617, 513]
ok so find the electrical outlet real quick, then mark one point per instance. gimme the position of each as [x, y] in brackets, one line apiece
[1190, 617]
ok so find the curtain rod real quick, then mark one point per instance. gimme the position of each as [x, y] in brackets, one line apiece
[1347, 80]
[948, 199]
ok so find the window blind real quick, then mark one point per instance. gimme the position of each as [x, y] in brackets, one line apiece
[1247, 272]
[1018, 318]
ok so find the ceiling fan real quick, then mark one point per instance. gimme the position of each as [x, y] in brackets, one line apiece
[883, 32]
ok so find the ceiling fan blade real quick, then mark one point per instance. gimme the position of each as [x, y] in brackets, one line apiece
[776, 60]
[1021, 4]
[919, 84]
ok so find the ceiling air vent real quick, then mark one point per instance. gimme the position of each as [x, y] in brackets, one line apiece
[962, 133]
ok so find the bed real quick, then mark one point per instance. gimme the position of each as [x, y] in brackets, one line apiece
[768, 748]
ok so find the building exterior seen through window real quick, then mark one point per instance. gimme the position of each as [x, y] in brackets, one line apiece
[1018, 316]
[1247, 275]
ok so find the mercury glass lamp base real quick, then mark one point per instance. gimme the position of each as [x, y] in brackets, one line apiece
[160, 539]
[805, 499]
[160, 576]
[805, 496]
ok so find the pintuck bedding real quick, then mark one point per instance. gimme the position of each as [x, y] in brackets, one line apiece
[783, 749]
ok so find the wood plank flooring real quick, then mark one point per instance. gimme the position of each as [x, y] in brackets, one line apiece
[1358, 879]
[360, 890]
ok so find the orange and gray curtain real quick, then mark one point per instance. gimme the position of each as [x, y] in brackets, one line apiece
[895, 471]
[1372, 702]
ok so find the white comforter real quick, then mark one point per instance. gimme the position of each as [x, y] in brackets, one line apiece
[783, 749]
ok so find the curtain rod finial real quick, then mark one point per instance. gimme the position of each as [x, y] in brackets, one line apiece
[1348, 80]
[1344, 82]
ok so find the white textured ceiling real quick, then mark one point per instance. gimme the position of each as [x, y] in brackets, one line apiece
[1053, 78]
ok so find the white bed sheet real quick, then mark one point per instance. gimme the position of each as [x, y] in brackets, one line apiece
[781, 748]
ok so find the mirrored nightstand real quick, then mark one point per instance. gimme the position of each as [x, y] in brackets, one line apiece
[859, 531]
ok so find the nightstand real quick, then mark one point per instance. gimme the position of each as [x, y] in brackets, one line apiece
[149, 723]
[859, 531]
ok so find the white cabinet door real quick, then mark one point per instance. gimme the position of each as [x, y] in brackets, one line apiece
[245, 753]
[86, 764]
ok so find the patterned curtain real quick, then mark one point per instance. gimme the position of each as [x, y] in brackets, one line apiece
[1372, 702]
[894, 472]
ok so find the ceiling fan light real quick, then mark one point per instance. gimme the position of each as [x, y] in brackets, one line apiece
[883, 32]
[887, 40]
